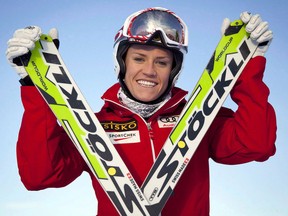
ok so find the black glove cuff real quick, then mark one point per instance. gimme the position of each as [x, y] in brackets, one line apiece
[26, 81]
[57, 43]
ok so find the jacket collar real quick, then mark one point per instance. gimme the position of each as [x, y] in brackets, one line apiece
[111, 100]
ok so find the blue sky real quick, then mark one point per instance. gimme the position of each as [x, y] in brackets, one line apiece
[86, 33]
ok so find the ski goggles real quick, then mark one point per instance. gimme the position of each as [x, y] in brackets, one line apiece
[143, 25]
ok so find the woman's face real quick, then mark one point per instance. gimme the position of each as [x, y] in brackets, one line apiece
[147, 71]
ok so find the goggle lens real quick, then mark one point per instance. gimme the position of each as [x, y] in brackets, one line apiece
[145, 24]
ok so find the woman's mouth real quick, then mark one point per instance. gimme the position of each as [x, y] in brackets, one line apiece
[146, 83]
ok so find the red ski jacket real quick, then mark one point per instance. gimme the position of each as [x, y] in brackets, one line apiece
[47, 158]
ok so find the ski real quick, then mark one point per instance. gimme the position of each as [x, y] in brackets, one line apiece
[53, 80]
[225, 66]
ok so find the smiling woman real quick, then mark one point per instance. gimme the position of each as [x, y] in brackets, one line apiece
[158, 28]
[148, 50]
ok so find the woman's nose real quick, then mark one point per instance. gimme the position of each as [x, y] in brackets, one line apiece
[149, 69]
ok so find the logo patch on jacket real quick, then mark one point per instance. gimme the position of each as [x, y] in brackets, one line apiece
[122, 132]
[167, 121]
[124, 137]
[120, 126]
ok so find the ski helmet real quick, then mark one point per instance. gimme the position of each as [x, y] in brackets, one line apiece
[153, 26]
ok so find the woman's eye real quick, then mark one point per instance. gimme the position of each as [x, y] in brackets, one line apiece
[138, 59]
[162, 63]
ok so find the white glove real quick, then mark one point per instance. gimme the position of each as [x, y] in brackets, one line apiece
[258, 29]
[22, 41]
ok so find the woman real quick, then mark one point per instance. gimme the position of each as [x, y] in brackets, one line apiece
[149, 50]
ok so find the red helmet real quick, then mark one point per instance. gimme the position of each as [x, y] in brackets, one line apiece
[153, 26]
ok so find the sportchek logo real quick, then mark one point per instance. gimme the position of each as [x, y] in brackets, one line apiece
[124, 137]
[128, 193]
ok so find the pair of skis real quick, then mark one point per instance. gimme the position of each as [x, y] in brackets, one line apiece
[53, 80]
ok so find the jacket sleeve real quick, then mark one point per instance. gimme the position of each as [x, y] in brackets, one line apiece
[46, 157]
[248, 134]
